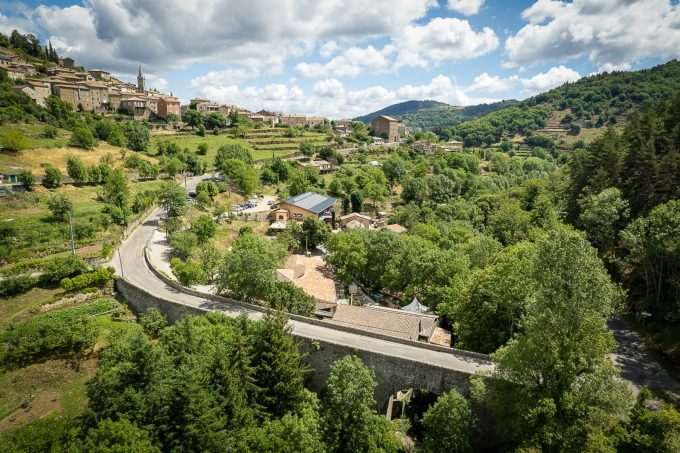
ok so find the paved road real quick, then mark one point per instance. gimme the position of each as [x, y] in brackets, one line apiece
[129, 262]
[637, 365]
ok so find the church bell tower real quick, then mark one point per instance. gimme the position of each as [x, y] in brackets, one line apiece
[141, 88]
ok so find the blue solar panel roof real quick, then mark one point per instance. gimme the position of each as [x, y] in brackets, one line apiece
[311, 201]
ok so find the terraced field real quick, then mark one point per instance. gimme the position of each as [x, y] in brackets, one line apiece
[266, 143]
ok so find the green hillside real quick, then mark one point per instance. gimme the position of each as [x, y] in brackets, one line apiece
[403, 108]
[428, 115]
[591, 102]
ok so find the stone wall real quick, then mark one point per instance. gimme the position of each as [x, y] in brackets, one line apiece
[141, 301]
[392, 373]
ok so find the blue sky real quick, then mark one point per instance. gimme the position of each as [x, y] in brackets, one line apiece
[348, 57]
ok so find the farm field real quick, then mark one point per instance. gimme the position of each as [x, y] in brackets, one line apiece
[55, 387]
[260, 140]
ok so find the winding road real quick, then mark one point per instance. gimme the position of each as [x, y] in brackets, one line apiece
[130, 264]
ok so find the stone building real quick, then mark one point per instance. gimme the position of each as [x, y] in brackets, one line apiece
[168, 105]
[389, 128]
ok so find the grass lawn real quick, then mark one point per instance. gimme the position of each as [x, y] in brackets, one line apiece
[33, 133]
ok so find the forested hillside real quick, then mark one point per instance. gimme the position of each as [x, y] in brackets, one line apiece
[402, 108]
[427, 115]
[591, 102]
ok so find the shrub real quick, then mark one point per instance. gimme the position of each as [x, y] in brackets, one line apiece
[16, 284]
[99, 277]
[183, 243]
[82, 138]
[61, 267]
[13, 140]
[84, 230]
[188, 273]
[50, 132]
[52, 178]
[204, 228]
[27, 179]
[59, 205]
[153, 321]
[207, 186]
[142, 201]
[202, 149]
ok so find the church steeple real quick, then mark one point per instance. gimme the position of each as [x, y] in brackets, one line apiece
[141, 87]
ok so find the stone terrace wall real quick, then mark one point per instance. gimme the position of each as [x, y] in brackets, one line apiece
[392, 373]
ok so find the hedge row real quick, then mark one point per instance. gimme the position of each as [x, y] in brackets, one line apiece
[99, 277]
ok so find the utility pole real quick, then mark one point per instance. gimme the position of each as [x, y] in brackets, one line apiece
[70, 227]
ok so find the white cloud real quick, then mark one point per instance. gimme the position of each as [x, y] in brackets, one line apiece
[160, 84]
[171, 34]
[229, 76]
[444, 39]
[611, 33]
[329, 88]
[350, 63]
[544, 81]
[466, 7]
[328, 48]
[330, 98]
[492, 84]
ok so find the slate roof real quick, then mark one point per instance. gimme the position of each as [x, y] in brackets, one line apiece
[385, 321]
[312, 202]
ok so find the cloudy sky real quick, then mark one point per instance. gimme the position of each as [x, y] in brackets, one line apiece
[348, 57]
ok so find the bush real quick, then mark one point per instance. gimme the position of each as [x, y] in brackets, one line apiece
[13, 140]
[62, 332]
[27, 179]
[202, 149]
[142, 201]
[52, 178]
[188, 273]
[59, 205]
[61, 267]
[99, 277]
[183, 243]
[204, 228]
[82, 138]
[16, 284]
[50, 132]
[153, 322]
[84, 230]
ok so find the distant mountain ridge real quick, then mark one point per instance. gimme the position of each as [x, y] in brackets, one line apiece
[591, 102]
[396, 110]
[431, 114]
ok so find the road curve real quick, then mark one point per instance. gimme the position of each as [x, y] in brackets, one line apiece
[129, 263]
